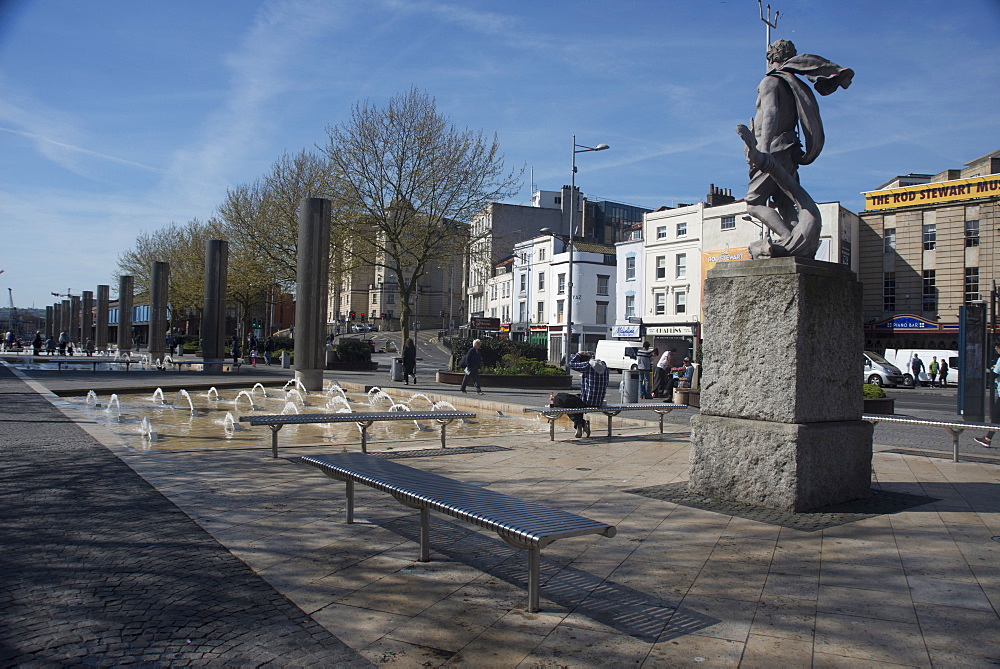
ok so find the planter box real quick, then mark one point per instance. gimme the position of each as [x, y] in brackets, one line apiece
[882, 405]
[505, 381]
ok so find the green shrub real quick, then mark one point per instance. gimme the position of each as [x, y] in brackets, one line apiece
[494, 351]
[526, 368]
[354, 350]
[873, 392]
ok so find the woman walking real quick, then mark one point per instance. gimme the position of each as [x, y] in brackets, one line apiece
[409, 361]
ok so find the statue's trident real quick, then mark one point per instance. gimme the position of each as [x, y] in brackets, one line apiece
[769, 22]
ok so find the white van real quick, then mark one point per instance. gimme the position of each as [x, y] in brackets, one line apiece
[880, 371]
[617, 354]
[901, 358]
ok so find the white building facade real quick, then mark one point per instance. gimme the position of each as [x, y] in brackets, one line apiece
[661, 277]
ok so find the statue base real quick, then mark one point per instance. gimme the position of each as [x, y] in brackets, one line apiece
[781, 396]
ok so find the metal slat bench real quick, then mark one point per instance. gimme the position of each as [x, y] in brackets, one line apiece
[954, 428]
[92, 361]
[364, 419]
[609, 410]
[522, 524]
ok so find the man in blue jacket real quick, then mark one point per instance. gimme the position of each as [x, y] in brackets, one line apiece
[593, 387]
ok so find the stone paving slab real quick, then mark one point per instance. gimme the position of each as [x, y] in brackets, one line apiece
[99, 568]
[678, 585]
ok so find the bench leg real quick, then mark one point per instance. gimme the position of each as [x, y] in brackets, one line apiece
[534, 564]
[350, 502]
[609, 424]
[552, 427]
[425, 534]
[274, 439]
[443, 426]
[955, 434]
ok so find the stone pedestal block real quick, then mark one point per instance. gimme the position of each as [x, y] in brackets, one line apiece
[781, 399]
[785, 466]
[783, 341]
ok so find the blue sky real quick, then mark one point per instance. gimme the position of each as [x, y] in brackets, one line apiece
[119, 116]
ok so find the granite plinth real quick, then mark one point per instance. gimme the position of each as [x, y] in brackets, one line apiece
[785, 466]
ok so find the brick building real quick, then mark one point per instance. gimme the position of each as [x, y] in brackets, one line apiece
[930, 243]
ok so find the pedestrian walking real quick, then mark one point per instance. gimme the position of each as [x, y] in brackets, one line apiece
[916, 366]
[943, 373]
[995, 407]
[234, 348]
[409, 361]
[268, 350]
[933, 369]
[473, 362]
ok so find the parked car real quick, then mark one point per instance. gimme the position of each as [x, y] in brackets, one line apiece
[880, 371]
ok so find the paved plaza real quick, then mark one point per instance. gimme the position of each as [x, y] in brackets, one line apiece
[231, 557]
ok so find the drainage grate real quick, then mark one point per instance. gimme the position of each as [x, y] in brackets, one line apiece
[880, 503]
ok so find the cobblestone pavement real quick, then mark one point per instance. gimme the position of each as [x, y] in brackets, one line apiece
[98, 568]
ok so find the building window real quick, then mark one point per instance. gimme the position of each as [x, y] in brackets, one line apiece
[930, 236]
[889, 292]
[390, 298]
[601, 317]
[602, 284]
[660, 303]
[971, 233]
[561, 284]
[541, 253]
[524, 282]
[890, 240]
[682, 229]
[541, 281]
[661, 267]
[630, 268]
[680, 302]
[661, 232]
[929, 294]
[629, 306]
[680, 266]
[541, 313]
[971, 284]
[374, 298]
[728, 223]
[560, 310]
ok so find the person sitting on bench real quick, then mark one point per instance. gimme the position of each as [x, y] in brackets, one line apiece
[593, 387]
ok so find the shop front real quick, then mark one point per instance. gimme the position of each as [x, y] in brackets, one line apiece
[908, 331]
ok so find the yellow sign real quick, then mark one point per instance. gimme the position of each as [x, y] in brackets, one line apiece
[935, 193]
[710, 259]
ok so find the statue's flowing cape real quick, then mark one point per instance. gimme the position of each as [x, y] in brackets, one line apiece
[827, 77]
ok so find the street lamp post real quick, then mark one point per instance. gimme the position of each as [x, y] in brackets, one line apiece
[577, 148]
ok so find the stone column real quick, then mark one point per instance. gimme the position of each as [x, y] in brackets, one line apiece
[74, 322]
[56, 320]
[101, 327]
[50, 316]
[87, 319]
[66, 318]
[781, 401]
[126, 286]
[312, 287]
[213, 322]
[160, 274]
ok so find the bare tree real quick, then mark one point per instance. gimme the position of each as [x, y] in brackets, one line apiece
[261, 218]
[408, 182]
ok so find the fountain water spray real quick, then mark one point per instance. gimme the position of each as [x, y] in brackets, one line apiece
[247, 394]
[158, 394]
[212, 391]
[183, 393]
[290, 408]
[115, 408]
[262, 390]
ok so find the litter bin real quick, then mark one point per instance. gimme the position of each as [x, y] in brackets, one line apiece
[396, 370]
[630, 386]
[286, 360]
[179, 351]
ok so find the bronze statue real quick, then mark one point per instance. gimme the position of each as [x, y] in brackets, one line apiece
[784, 105]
